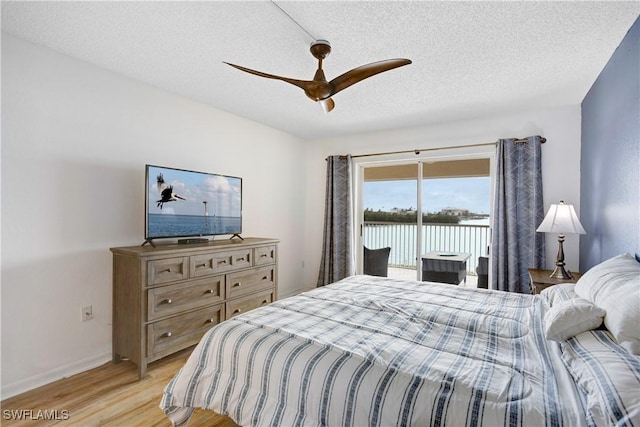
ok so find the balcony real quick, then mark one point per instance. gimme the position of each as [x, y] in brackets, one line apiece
[402, 238]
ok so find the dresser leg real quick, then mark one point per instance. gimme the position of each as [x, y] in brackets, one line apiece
[142, 370]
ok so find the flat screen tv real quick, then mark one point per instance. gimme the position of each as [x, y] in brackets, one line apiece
[184, 203]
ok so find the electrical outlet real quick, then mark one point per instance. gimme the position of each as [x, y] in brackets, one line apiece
[87, 313]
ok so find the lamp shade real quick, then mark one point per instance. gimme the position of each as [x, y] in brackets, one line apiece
[561, 219]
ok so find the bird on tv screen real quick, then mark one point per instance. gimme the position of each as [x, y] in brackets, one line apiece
[184, 203]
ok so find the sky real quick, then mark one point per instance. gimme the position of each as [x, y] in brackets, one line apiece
[463, 193]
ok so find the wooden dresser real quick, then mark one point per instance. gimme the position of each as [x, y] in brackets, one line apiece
[165, 298]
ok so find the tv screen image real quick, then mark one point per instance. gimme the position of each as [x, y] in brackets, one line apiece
[184, 203]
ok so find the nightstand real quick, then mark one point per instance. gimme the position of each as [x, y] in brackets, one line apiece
[540, 279]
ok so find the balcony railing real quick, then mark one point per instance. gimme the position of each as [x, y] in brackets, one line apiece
[402, 239]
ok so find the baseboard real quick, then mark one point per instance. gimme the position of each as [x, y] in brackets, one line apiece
[19, 387]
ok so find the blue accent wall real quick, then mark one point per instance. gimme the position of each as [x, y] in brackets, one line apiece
[610, 157]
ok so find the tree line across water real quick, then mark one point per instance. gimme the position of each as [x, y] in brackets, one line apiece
[409, 217]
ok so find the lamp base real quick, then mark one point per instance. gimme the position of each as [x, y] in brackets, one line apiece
[561, 273]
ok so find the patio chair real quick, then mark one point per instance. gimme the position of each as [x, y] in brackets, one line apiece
[483, 272]
[376, 261]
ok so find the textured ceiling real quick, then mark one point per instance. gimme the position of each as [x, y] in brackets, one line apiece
[469, 58]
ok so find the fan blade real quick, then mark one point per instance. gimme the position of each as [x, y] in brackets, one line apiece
[327, 104]
[358, 74]
[302, 84]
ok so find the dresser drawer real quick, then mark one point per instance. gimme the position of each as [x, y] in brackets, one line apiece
[167, 270]
[249, 302]
[208, 264]
[265, 255]
[254, 280]
[175, 333]
[173, 299]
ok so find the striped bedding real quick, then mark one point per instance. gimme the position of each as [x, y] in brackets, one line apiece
[371, 351]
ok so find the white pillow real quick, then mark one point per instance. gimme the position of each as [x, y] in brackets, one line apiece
[570, 318]
[614, 285]
[558, 293]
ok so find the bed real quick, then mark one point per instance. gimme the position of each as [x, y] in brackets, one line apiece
[373, 351]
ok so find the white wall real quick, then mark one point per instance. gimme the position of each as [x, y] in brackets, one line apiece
[75, 139]
[560, 161]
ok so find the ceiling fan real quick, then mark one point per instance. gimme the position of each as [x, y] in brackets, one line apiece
[321, 90]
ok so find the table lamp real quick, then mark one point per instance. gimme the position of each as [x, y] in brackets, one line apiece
[561, 219]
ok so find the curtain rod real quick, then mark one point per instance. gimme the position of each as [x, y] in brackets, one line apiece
[418, 151]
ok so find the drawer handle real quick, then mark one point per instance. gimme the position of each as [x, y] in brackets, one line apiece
[209, 321]
[265, 278]
[264, 256]
[224, 261]
[166, 270]
[208, 291]
[237, 310]
[241, 259]
[203, 265]
[166, 301]
[166, 335]
[265, 302]
[237, 285]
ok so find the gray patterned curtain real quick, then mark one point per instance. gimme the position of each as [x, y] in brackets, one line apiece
[337, 244]
[518, 211]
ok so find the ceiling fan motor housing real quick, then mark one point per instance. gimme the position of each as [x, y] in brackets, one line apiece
[320, 49]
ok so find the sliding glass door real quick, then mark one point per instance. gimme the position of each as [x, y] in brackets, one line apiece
[456, 207]
[390, 215]
[432, 205]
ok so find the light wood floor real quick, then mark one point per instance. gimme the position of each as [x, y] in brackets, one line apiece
[110, 395]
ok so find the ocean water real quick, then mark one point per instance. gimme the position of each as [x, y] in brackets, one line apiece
[164, 225]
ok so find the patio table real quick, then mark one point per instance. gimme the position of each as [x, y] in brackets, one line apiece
[445, 267]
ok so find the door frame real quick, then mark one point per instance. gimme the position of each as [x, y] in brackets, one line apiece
[420, 157]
